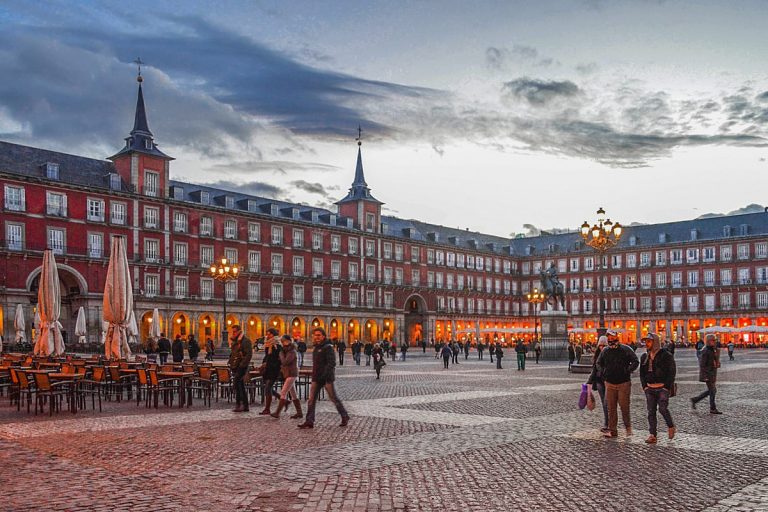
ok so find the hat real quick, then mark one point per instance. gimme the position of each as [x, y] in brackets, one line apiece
[611, 332]
[651, 336]
[602, 341]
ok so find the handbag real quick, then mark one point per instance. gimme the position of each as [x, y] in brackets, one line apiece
[583, 396]
[591, 401]
[673, 390]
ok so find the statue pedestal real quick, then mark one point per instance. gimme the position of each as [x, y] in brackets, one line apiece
[554, 335]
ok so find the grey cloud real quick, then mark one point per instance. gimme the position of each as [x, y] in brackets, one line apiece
[255, 188]
[539, 92]
[312, 188]
[762, 97]
[587, 68]
[750, 208]
[504, 58]
[274, 166]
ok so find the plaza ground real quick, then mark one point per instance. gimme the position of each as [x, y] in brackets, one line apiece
[420, 439]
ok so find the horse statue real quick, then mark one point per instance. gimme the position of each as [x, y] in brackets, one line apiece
[553, 289]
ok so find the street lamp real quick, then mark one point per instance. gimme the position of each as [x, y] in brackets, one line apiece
[224, 272]
[602, 236]
[536, 297]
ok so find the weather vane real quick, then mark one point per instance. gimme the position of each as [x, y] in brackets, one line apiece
[139, 62]
[359, 138]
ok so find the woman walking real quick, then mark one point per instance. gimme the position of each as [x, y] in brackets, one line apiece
[657, 375]
[289, 368]
[447, 353]
[596, 380]
[378, 359]
[270, 369]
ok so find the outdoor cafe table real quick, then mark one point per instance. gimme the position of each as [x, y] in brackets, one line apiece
[182, 377]
[71, 379]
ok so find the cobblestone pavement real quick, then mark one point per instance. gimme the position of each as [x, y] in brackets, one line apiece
[471, 438]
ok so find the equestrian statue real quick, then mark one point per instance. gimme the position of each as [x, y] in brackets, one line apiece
[553, 289]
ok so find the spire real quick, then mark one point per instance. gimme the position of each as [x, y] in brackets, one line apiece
[140, 125]
[359, 189]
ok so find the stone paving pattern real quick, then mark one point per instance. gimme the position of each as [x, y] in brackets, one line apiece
[471, 438]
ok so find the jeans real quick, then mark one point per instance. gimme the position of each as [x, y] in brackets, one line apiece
[269, 387]
[480, 355]
[498, 363]
[341, 358]
[367, 359]
[710, 392]
[618, 394]
[300, 357]
[238, 379]
[163, 357]
[657, 397]
[601, 392]
[288, 389]
[446, 359]
[521, 361]
[403, 353]
[314, 393]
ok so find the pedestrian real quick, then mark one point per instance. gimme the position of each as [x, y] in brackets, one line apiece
[521, 351]
[617, 362]
[289, 370]
[368, 350]
[438, 350]
[239, 361]
[193, 347]
[357, 347]
[447, 353]
[403, 349]
[270, 369]
[163, 348]
[210, 349]
[499, 355]
[731, 347]
[597, 382]
[491, 351]
[466, 350]
[378, 359]
[708, 365]
[480, 349]
[657, 376]
[455, 352]
[392, 350]
[341, 347]
[537, 351]
[699, 348]
[423, 346]
[323, 377]
[177, 350]
[577, 351]
[301, 349]
[571, 356]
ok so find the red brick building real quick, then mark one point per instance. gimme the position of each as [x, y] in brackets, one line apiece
[353, 271]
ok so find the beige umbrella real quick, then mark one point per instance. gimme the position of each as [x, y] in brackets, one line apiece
[156, 328]
[19, 325]
[118, 301]
[81, 327]
[133, 329]
[49, 340]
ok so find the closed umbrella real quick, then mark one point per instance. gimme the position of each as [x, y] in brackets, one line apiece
[81, 328]
[118, 301]
[155, 329]
[133, 329]
[19, 325]
[49, 339]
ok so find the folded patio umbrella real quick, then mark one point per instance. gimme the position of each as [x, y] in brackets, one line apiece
[155, 329]
[49, 339]
[19, 325]
[81, 329]
[118, 301]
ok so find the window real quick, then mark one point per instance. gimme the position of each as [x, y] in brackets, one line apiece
[206, 226]
[115, 182]
[96, 210]
[254, 231]
[631, 281]
[277, 293]
[151, 183]
[52, 171]
[439, 280]
[761, 300]
[206, 255]
[277, 235]
[761, 250]
[95, 245]
[415, 277]
[645, 281]
[370, 221]
[615, 260]
[151, 285]
[430, 256]
[230, 289]
[14, 236]
[56, 204]
[589, 264]
[693, 278]
[180, 287]
[449, 281]
[335, 296]
[370, 273]
[575, 266]
[230, 229]
[631, 304]
[254, 261]
[709, 278]
[725, 276]
[353, 295]
[744, 276]
[661, 258]
[761, 275]
[387, 250]
[118, 214]
[692, 255]
[14, 199]
[661, 304]
[180, 222]
[151, 216]
[57, 240]
[335, 243]
[388, 299]
[353, 271]
[414, 254]
[726, 252]
[677, 279]
[151, 250]
[744, 300]
[645, 259]
[298, 238]
[677, 304]
[709, 302]
[661, 280]
[726, 301]
[574, 306]
[317, 241]
[231, 255]
[353, 245]
[676, 256]
[277, 264]
[179, 253]
[206, 288]
[298, 294]
[398, 276]
[460, 282]
[460, 260]
[439, 258]
[317, 295]
[708, 254]
[398, 252]
[370, 248]
[742, 251]
[370, 298]
[430, 279]
[317, 267]
[254, 291]
[335, 270]
[645, 304]
[480, 262]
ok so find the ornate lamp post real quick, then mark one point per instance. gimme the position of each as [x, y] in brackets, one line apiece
[602, 236]
[224, 271]
[535, 297]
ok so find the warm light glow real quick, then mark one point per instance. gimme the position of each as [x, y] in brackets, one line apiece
[178, 320]
[213, 270]
[149, 319]
[223, 261]
[296, 323]
[351, 324]
[386, 323]
[205, 321]
[585, 229]
[274, 322]
[252, 322]
[229, 322]
[333, 324]
[368, 325]
[315, 323]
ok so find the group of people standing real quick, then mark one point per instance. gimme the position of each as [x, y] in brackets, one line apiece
[163, 347]
[612, 369]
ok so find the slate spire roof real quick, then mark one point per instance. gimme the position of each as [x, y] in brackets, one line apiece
[359, 189]
[140, 125]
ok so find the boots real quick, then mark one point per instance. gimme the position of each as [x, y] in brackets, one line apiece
[280, 407]
[299, 414]
[267, 405]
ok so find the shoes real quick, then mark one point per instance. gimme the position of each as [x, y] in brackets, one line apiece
[239, 408]
[714, 411]
[629, 431]
[610, 434]
[605, 429]
[344, 421]
[651, 440]
[671, 431]
[265, 412]
[693, 403]
[306, 425]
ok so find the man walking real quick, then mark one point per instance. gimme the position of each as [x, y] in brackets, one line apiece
[657, 376]
[480, 348]
[537, 351]
[466, 350]
[323, 377]
[301, 349]
[341, 347]
[521, 351]
[164, 348]
[708, 365]
[357, 347]
[571, 355]
[617, 362]
[368, 349]
[239, 360]
[499, 354]
[731, 346]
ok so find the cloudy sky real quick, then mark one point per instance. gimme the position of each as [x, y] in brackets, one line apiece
[485, 115]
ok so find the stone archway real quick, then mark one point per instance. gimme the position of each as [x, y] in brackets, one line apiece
[415, 319]
[73, 289]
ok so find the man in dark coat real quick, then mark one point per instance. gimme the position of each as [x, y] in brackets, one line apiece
[357, 347]
[617, 362]
[323, 377]
[480, 349]
[163, 348]
[709, 362]
[521, 350]
[239, 361]
[571, 355]
[301, 349]
[499, 355]
[270, 368]
[341, 347]
[368, 349]
[177, 350]
[657, 376]
[193, 347]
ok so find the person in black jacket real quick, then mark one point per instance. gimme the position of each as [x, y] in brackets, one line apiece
[239, 361]
[617, 362]
[657, 376]
[499, 355]
[177, 350]
[270, 368]
[368, 350]
[597, 382]
[323, 377]
[163, 348]
[301, 349]
[341, 347]
[193, 347]
[709, 362]
[357, 347]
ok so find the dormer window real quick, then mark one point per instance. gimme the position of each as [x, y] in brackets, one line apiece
[205, 197]
[147, 144]
[274, 210]
[52, 171]
[229, 201]
[115, 183]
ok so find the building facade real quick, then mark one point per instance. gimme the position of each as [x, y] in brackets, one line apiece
[353, 271]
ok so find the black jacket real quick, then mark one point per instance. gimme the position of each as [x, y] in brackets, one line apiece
[520, 348]
[301, 346]
[617, 364]
[499, 352]
[708, 365]
[193, 348]
[178, 350]
[368, 349]
[663, 371]
[240, 356]
[596, 377]
[323, 363]
[164, 345]
[271, 362]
